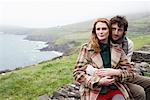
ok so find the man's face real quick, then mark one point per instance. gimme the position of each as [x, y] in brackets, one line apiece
[117, 32]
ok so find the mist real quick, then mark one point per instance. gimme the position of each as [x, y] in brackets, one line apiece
[42, 14]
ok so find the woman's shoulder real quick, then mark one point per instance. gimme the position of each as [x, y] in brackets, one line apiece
[86, 46]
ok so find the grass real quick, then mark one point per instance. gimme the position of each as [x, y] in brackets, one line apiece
[78, 37]
[139, 41]
[44, 78]
[33, 81]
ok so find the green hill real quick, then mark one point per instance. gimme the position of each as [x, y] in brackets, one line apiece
[139, 24]
[32, 81]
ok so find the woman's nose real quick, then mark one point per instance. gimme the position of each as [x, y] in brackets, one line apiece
[101, 31]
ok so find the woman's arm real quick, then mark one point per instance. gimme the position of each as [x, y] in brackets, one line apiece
[123, 73]
[79, 72]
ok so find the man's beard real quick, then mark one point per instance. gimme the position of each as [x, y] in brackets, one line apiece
[119, 41]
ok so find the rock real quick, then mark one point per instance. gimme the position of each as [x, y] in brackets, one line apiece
[144, 64]
[5, 71]
[145, 48]
[139, 69]
[71, 91]
[141, 56]
[44, 97]
[67, 92]
[60, 48]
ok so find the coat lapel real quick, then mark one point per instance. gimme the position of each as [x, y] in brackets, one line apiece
[96, 58]
[115, 56]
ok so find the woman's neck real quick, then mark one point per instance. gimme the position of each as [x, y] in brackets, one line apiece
[104, 41]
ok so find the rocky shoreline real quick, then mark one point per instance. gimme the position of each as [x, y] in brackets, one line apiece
[61, 47]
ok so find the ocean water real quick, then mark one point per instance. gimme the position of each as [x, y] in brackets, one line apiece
[17, 52]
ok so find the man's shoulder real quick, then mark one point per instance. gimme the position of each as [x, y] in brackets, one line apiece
[116, 47]
[129, 40]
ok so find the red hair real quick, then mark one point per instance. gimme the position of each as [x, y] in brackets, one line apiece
[94, 41]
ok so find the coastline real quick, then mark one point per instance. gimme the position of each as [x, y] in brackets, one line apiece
[59, 50]
[56, 54]
[59, 55]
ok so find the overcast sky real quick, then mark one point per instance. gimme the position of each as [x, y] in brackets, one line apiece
[49, 13]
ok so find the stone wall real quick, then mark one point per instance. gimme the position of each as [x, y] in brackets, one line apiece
[67, 92]
[71, 91]
[141, 56]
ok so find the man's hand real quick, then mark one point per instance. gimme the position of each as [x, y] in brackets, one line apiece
[107, 80]
[107, 72]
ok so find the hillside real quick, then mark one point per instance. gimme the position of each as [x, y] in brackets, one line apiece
[138, 23]
[7, 29]
[77, 33]
[44, 78]
[61, 38]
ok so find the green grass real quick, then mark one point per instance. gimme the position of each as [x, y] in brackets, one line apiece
[139, 41]
[30, 82]
[43, 78]
[78, 37]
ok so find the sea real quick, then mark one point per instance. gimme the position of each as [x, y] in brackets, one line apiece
[17, 52]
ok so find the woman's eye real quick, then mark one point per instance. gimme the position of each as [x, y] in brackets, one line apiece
[98, 29]
[103, 28]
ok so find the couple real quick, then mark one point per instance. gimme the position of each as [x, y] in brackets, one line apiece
[103, 66]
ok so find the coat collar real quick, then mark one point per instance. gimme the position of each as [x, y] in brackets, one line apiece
[115, 57]
[97, 59]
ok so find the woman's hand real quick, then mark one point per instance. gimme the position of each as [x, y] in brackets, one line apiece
[107, 80]
[107, 72]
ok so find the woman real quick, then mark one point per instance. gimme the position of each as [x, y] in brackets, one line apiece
[102, 68]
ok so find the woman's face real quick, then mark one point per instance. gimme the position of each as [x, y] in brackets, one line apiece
[102, 31]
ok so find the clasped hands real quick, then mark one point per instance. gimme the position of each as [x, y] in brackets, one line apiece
[106, 75]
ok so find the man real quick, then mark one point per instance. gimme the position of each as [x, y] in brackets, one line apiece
[141, 85]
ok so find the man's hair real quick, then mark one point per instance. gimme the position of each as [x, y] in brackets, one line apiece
[120, 21]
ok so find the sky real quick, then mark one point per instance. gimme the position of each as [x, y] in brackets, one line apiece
[51, 13]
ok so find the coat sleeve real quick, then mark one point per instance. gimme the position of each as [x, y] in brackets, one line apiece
[127, 74]
[79, 72]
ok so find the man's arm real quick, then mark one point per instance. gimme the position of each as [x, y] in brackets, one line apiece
[130, 49]
[127, 71]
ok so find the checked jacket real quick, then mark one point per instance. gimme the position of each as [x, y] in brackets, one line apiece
[89, 88]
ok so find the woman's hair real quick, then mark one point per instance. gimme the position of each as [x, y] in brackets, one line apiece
[94, 41]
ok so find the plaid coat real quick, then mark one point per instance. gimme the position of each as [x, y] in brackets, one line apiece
[89, 88]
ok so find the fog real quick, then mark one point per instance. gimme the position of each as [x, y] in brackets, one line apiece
[44, 13]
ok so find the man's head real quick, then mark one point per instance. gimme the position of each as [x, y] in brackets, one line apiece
[119, 27]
